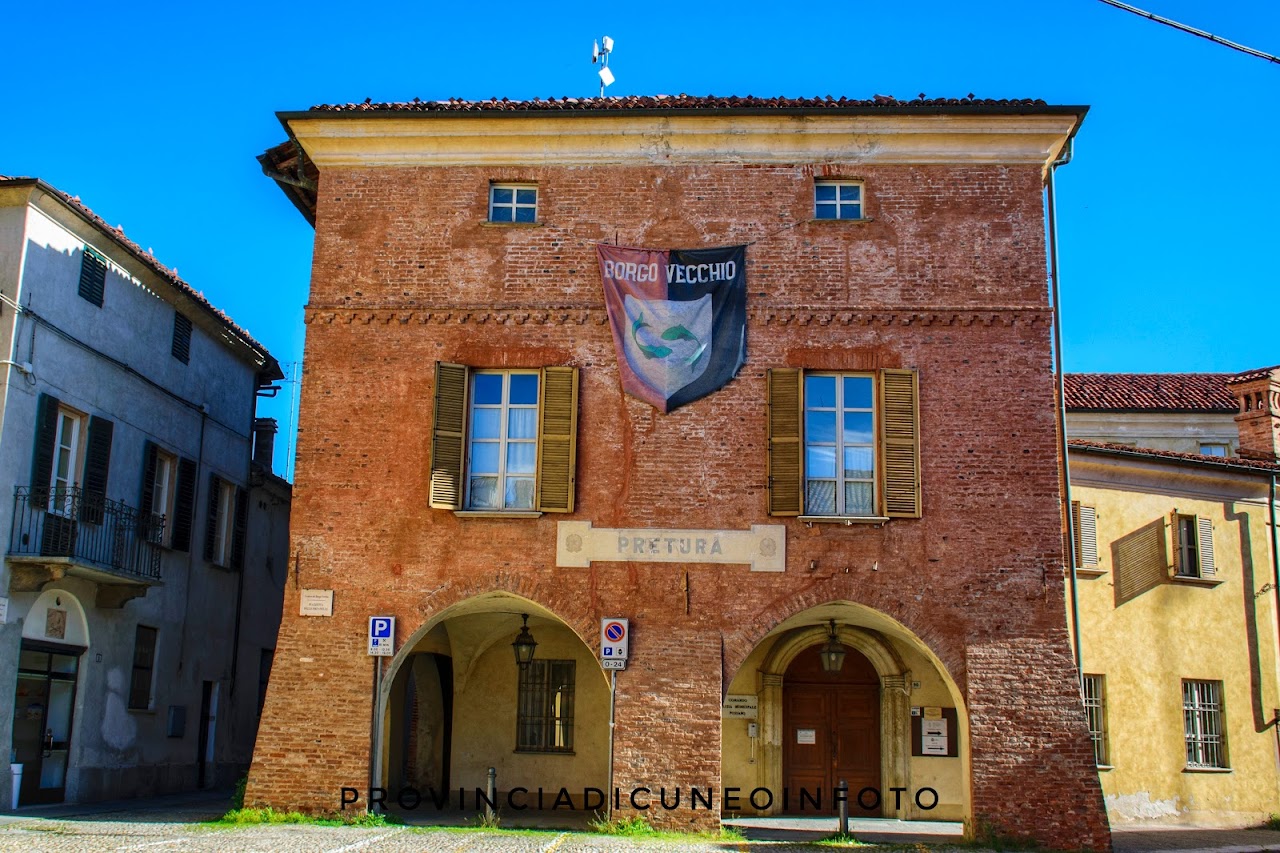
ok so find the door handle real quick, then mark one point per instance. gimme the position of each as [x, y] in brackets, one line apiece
[48, 743]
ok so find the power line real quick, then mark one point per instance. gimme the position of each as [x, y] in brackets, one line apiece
[1186, 29]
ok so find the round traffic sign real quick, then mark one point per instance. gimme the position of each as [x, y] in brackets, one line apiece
[615, 632]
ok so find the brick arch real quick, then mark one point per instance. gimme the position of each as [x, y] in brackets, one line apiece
[948, 656]
[441, 602]
[573, 610]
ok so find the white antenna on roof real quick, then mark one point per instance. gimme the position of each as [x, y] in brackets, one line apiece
[601, 55]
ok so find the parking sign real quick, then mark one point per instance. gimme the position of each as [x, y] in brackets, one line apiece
[382, 635]
[615, 639]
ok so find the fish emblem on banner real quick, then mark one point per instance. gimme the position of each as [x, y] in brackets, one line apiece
[679, 319]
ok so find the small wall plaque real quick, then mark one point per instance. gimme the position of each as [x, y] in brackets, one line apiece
[316, 602]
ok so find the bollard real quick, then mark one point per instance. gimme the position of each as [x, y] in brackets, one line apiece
[492, 791]
[844, 808]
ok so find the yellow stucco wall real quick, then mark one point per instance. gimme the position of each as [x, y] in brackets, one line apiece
[484, 723]
[1146, 631]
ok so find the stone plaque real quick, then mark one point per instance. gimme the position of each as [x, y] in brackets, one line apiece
[763, 547]
[742, 707]
[316, 602]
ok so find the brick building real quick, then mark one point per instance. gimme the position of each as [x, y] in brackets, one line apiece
[469, 463]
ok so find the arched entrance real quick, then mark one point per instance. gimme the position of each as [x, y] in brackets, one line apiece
[864, 723]
[55, 634]
[455, 703]
[831, 729]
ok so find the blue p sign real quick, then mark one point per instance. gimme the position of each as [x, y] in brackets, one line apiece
[380, 627]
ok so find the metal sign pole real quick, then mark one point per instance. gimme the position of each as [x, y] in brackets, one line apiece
[613, 691]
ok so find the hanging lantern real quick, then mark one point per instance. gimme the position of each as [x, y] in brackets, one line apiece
[525, 644]
[832, 652]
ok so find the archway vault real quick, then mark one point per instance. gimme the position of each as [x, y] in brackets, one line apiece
[481, 688]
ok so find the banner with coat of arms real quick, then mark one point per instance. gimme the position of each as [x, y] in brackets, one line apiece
[679, 319]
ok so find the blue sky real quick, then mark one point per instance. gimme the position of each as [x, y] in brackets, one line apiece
[153, 113]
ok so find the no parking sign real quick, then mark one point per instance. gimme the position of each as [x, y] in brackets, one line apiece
[615, 639]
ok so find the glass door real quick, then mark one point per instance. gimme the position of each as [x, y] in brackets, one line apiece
[43, 711]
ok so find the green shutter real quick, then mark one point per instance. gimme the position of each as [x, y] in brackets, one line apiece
[783, 425]
[184, 504]
[211, 518]
[42, 459]
[97, 465]
[150, 456]
[900, 442]
[93, 276]
[448, 438]
[557, 438]
[239, 528]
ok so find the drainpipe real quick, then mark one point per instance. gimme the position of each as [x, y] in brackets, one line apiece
[1061, 413]
[1275, 550]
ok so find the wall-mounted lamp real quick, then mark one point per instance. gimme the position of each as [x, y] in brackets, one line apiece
[832, 652]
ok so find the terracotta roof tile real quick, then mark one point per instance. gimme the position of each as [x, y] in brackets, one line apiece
[677, 102]
[116, 233]
[1198, 458]
[1250, 375]
[1158, 392]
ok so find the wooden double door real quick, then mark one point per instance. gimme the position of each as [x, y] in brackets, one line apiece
[832, 732]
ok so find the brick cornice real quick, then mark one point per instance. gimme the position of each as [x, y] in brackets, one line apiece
[1005, 315]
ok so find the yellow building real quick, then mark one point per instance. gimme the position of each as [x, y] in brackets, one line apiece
[1177, 600]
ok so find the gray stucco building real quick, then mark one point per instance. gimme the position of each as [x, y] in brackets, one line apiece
[146, 541]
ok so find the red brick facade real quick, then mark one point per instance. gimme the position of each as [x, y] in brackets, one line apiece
[947, 277]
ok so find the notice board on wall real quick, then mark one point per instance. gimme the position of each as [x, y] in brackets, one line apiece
[935, 732]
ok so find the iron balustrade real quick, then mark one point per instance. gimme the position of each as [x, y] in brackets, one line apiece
[88, 528]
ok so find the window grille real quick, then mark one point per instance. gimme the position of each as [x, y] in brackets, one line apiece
[1202, 723]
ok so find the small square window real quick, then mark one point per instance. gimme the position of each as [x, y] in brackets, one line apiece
[837, 200]
[513, 203]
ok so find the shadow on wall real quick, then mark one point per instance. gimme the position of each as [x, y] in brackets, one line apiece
[1141, 561]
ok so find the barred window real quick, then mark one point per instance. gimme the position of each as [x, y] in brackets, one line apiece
[1202, 724]
[1094, 691]
[544, 719]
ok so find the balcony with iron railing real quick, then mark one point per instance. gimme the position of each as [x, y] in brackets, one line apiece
[70, 531]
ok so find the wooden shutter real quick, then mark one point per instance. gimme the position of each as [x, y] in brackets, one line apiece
[239, 528]
[783, 469]
[900, 442]
[1085, 521]
[211, 517]
[184, 505]
[557, 438]
[93, 276]
[150, 456]
[42, 460]
[449, 436]
[97, 464]
[1204, 541]
[181, 346]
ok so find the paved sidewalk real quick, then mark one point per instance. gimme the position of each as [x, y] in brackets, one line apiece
[174, 823]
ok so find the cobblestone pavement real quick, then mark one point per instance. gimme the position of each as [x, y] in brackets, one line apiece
[176, 824]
